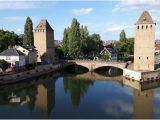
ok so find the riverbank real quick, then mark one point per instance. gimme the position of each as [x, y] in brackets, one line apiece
[38, 71]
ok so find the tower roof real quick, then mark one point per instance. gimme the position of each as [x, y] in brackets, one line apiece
[43, 24]
[145, 18]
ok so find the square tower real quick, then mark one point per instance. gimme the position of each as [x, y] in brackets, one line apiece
[144, 44]
[44, 41]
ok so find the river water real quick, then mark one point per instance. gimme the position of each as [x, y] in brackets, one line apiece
[87, 95]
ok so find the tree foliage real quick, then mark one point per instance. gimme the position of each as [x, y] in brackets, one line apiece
[125, 46]
[28, 32]
[8, 39]
[123, 36]
[4, 65]
[74, 39]
[78, 43]
[104, 57]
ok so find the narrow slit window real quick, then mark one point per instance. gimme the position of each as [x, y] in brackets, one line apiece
[139, 58]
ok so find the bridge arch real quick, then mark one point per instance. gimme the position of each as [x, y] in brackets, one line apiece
[92, 65]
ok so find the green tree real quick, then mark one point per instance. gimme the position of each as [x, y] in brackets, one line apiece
[123, 36]
[4, 65]
[28, 32]
[8, 39]
[84, 38]
[74, 39]
[65, 42]
[104, 57]
[125, 46]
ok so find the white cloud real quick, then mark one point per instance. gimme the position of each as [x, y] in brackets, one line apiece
[82, 11]
[20, 18]
[17, 5]
[25, 4]
[117, 27]
[126, 5]
[118, 108]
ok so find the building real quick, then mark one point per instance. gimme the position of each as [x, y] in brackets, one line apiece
[111, 52]
[30, 53]
[144, 46]
[109, 42]
[157, 46]
[13, 56]
[44, 41]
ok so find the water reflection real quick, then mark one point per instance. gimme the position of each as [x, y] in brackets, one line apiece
[143, 104]
[36, 95]
[87, 95]
[45, 98]
[76, 88]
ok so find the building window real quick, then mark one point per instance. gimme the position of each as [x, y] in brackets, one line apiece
[138, 27]
[23, 50]
[146, 26]
[8, 58]
[139, 58]
[142, 26]
[151, 26]
[147, 58]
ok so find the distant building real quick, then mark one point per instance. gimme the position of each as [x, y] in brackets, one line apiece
[57, 43]
[144, 45]
[30, 53]
[44, 41]
[13, 56]
[109, 42]
[111, 52]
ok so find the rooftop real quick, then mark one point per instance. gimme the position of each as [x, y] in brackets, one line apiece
[11, 52]
[145, 18]
[43, 24]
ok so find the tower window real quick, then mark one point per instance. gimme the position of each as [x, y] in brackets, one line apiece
[138, 27]
[139, 58]
[142, 26]
[147, 58]
[146, 26]
[151, 26]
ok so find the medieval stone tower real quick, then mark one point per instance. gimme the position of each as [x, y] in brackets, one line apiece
[144, 45]
[44, 41]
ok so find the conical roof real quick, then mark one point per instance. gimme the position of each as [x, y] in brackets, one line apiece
[145, 18]
[43, 24]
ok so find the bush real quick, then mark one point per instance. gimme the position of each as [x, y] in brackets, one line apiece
[4, 65]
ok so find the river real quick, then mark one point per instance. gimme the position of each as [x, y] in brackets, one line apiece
[87, 95]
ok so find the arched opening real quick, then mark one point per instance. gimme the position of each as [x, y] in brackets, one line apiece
[151, 26]
[75, 69]
[138, 27]
[142, 26]
[109, 71]
[146, 26]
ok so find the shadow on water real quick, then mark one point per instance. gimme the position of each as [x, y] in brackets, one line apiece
[75, 69]
[37, 95]
[109, 71]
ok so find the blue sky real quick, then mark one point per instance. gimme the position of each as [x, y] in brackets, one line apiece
[106, 18]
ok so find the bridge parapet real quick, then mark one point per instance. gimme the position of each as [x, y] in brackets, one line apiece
[92, 65]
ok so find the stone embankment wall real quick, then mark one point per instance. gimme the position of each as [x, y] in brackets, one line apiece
[141, 75]
[39, 70]
[151, 75]
[131, 74]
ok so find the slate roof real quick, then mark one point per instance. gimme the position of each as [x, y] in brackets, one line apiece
[145, 18]
[11, 52]
[112, 51]
[43, 24]
[29, 48]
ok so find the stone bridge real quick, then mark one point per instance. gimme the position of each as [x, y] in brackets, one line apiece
[92, 65]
